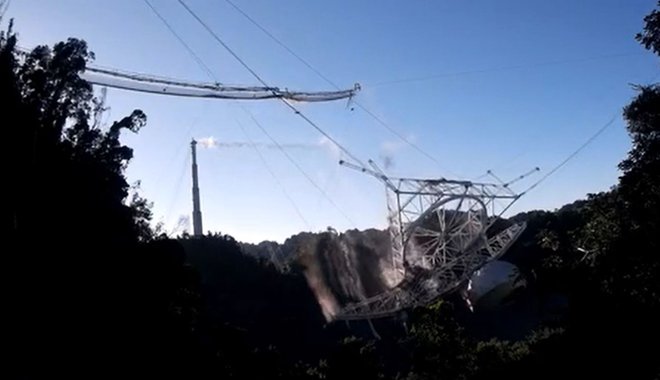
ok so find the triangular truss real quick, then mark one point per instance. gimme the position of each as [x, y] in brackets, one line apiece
[175, 87]
[440, 231]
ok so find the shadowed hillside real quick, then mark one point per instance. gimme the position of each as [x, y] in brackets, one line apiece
[94, 292]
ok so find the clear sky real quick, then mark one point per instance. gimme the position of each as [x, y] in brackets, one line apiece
[518, 84]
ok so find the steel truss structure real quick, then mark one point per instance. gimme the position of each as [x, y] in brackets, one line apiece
[174, 87]
[440, 231]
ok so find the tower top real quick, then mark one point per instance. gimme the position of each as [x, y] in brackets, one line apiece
[197, 211]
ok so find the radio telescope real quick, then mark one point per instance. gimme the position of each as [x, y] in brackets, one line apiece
[440, 231]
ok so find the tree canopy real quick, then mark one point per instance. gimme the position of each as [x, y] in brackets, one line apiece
[94, 292]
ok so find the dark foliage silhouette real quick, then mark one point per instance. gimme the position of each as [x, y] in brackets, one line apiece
[84, 295]
[93, 292]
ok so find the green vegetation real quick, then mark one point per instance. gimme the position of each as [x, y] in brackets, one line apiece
[93, 292]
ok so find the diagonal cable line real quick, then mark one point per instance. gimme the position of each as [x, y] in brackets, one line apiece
[577, 151]
[572, 155]
[295, 163]
[4, 6]
[378, 119]
[282, 44]
[177, 189]
[272, 173]
[405, 139]
[263, 82]
[591, 139]
[185, 45]
[211, 76]
[501, 69]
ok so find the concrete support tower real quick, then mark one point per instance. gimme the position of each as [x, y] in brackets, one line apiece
[197, 211]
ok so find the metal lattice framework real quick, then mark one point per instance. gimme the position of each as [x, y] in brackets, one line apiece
[175, 87]
[439, 229]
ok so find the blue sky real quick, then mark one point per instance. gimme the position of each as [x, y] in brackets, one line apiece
[478, 113]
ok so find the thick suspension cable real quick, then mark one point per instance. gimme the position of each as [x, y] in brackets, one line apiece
[183, 43]
[300, 169]
[591, 139]
[535, 65]
[282, 44]
[306, 63]
[212, 77]
[284, 100]
[4, 6]
[275, 177]
[565, 161]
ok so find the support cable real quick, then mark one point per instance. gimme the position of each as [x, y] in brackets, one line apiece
[183, 43]
[272, 173]
[263, 82]
[572, 155]
[212, 76]
[4, 6]
[379, 120]
[590, 140]
[300, 169]
[426, 78]
[177, 188]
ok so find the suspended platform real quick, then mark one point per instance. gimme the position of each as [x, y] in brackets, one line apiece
[441, 232]
[174, 87]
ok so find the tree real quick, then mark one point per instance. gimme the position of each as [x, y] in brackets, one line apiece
[640, 183]
[437, 345]
[650, 36]
[81, 283]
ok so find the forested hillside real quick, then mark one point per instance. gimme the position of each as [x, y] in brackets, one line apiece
[93, 292]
